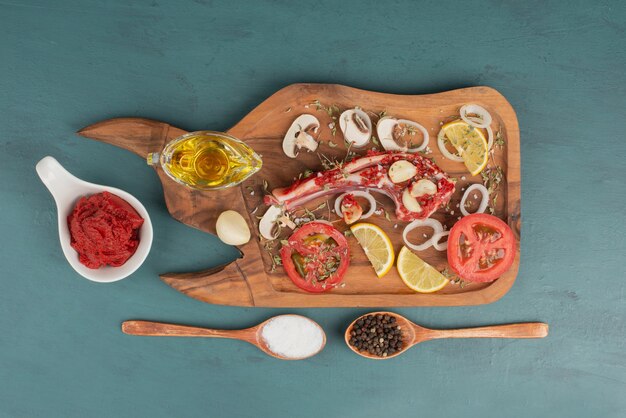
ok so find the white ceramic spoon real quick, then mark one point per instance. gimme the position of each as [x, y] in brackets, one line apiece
[66, 190]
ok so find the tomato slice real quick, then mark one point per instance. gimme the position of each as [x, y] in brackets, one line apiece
[316, 257]
[481, 247]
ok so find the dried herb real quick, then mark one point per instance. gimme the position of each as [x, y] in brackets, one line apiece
[321, 206]
[310, 214]
[492, 177]
[499, 138]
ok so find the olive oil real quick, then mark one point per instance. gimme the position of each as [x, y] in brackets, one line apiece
[207, 160]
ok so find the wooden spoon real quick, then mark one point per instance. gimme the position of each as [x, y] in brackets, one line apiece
[251, 335]
[414, 334]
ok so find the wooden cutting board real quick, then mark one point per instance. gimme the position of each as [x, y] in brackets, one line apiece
[251, 280]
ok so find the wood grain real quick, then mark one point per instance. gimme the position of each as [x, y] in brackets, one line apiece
[250, 281]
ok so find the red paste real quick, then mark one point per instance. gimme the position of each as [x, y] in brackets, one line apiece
[104, 230]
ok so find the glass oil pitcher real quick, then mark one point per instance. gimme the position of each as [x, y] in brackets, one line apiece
[207, 160]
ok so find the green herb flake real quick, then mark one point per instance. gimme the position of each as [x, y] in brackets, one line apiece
[499, 138]
[321, 206]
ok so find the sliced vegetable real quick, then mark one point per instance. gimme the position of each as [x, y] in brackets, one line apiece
[339, 209]
[395, 134]
[316, 257]
[356, 127]
[268, 223]
[484, 199]
[437, 237]
[300, 135]
[481, 248]
[482, 118]
[428, 222]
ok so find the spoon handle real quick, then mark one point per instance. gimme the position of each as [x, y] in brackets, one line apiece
[522, 330]
[56, 178]
[160, 329]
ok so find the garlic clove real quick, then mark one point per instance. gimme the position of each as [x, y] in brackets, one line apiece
[351, 212]
[422, 187]
[401, 171]
[299, 135]
[356, 127]
[410, 202]
[267, 224]
[232, 228]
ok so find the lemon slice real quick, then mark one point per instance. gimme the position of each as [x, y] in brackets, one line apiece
[377, 246]
[470, 142]
[417, 274]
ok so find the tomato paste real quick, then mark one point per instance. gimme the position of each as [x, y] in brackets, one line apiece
[104, 229]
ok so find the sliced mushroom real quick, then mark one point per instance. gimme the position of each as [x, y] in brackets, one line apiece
[356, 126]
[422, 187]
[401, 171]
[285, 220]
[300, 135]
[267, 224]
[393, 134]
[410, 202]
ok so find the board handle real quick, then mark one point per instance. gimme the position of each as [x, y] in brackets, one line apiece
[138, 135]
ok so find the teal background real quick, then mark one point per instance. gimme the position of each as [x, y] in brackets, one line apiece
[205, 64]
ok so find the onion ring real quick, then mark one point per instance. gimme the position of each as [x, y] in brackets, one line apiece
[483, 203]
[429, 222]
[424, 132]
[482, 113]
[364, 194]
[442, 147]
[437, 237]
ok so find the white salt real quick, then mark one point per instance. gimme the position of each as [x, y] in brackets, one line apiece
[293, 336]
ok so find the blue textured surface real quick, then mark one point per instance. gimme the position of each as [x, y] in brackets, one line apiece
[205, 64]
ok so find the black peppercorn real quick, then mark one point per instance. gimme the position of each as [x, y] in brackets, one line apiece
[377, 335]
